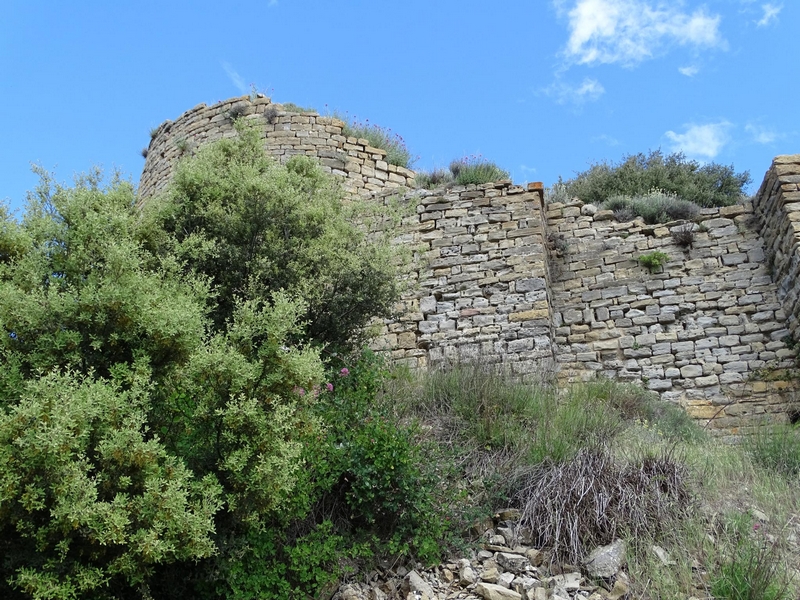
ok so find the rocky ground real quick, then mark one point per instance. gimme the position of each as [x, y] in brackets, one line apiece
[507, 567]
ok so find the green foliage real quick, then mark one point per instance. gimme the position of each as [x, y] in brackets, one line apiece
[254, 227]
[380, 137]
[129, 418]
[706, 185]
[292, 107]
[465, 171]
[654, 260]
[76, 293]
[88, 498]
[374, 466]
[776, 448]
[752, 570]
[656, 206]
[268, 566]
[476, 170]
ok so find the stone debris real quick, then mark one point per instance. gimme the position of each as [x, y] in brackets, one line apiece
[605, 561]
[527, 573]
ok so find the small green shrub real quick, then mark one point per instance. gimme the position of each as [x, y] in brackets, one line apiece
[706, 185]
[379, 137]
[154, 131]
[183, 145]
[271, 566]
[373, 466]
[776, 448]
[653, 260]
[145, 152]
[476, 170]
[752, 569]
[656, 206]
[294, 108]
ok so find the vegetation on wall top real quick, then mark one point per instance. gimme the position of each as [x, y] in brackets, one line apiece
[670, 182]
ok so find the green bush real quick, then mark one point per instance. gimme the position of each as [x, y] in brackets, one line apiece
[706, 185]
[90, 499]
[140, 431]
[653, 260]
[655, 206]
[380, 137]
[476, 170]
[373, 466]
[253, 227]
[266, 565]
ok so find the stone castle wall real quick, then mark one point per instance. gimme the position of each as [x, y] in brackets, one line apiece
[706, 330]
[499, 277]
[363, 169]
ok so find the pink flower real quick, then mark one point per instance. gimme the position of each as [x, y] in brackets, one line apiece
[344, 372]
[299, 391]
[329, 386]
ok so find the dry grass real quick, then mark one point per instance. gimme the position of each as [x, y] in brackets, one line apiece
[576, 505]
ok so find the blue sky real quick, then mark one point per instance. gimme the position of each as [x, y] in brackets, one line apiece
[542, 88]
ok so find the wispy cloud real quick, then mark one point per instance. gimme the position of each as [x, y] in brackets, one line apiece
[606, 139]
[700, 140]
[587, 90]
[761, 134]
[272, 3]
[631, 31]
[235, 78]
[689, 71]
[770, 14]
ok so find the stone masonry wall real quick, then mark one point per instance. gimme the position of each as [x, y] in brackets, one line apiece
[478, 281]
[706, 330]
[498, 277]
[363, 169]
[777, 208]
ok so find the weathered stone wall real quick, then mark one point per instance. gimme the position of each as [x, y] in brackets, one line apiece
[478, 280]
[777, 209]
[706, 330]
[362, 168]
[497, 276]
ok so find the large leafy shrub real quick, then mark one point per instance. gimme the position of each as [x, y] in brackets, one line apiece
[254, 227]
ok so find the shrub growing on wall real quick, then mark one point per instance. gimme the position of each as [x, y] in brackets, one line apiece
[706, 185]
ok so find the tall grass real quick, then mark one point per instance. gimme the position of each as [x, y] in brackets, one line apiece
[603, 460]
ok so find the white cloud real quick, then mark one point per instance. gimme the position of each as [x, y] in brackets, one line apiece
[761, 134]
[235, 78]
[630, 31]
[770, 14]
[689, 71]
[587, 90]
[700, 140]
